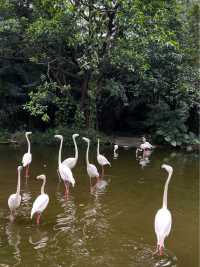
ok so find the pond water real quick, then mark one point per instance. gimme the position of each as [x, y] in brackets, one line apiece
[111, 227]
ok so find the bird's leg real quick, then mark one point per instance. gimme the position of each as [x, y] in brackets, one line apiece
[91, 188]
[26, 172]
[102, 173]
[12, 216]
[68, 188]
[66, 191]
[157, 250]
[38, 218]
[161, 251]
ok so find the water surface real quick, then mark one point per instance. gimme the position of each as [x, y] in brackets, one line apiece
[112, 227]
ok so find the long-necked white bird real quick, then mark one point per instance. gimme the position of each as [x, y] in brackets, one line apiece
[91, 168]
[41, 202]
[14, 200]
[27, 157]
[71, 162]
[102, 160]
[64, 171]
[163, 218]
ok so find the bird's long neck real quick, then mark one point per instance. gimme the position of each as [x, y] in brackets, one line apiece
[166, 190]
[76, 148]
[98, 148]
[43, 185]
[87, 153]
[18, 183]
[60, 149]
[29, 145]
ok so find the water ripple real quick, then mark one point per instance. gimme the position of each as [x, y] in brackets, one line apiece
[145, 257]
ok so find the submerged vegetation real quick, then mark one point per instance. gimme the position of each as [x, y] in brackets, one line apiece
[109, 66]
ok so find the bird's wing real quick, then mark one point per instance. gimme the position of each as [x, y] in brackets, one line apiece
[103, 160]
[148, 145]
[93, 172]
[66, 174]
[69, 162]
[40, 204]
[163, 222]
[27, 158]
[11, 200]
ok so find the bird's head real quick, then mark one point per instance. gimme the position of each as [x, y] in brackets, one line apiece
[115, 147]
[28, 133]
[59, 136]
[19, 168]
[41, 176]
[75, 135]
[86, 139]
[168, 168]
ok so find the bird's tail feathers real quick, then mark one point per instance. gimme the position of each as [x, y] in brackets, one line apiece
[73, 182]
[32, 213]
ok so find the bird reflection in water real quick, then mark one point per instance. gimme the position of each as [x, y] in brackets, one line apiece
[14, 239]
[68, 231]
[144, 162]
[26, 201]
[95, 220]
[38, 239]
[99, 187]
[65, 221]
[143, 157]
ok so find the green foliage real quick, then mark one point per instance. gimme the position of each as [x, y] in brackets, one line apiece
[169, 125]
[83, 64]
[49, 98]
[79, 119]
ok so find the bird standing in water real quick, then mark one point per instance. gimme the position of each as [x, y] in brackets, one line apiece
[41, 202]
[64, 171]
[163, 218]
[91, 168]
[14, 200]
[27, 157]
[102, 160]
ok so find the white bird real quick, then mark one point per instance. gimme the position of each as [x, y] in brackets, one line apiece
[163, 218]
[41, 202]
[115, 154]
[64, 171]
[102, 160]
[27, 157]
[71, 162]
[145, 145]
[14, 200]
[91, 169]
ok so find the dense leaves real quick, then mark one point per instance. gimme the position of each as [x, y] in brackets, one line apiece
[111, 65]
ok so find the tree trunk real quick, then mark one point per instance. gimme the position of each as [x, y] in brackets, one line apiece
[84, 89]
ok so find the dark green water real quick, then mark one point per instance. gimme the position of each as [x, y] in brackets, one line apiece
[111, 228]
